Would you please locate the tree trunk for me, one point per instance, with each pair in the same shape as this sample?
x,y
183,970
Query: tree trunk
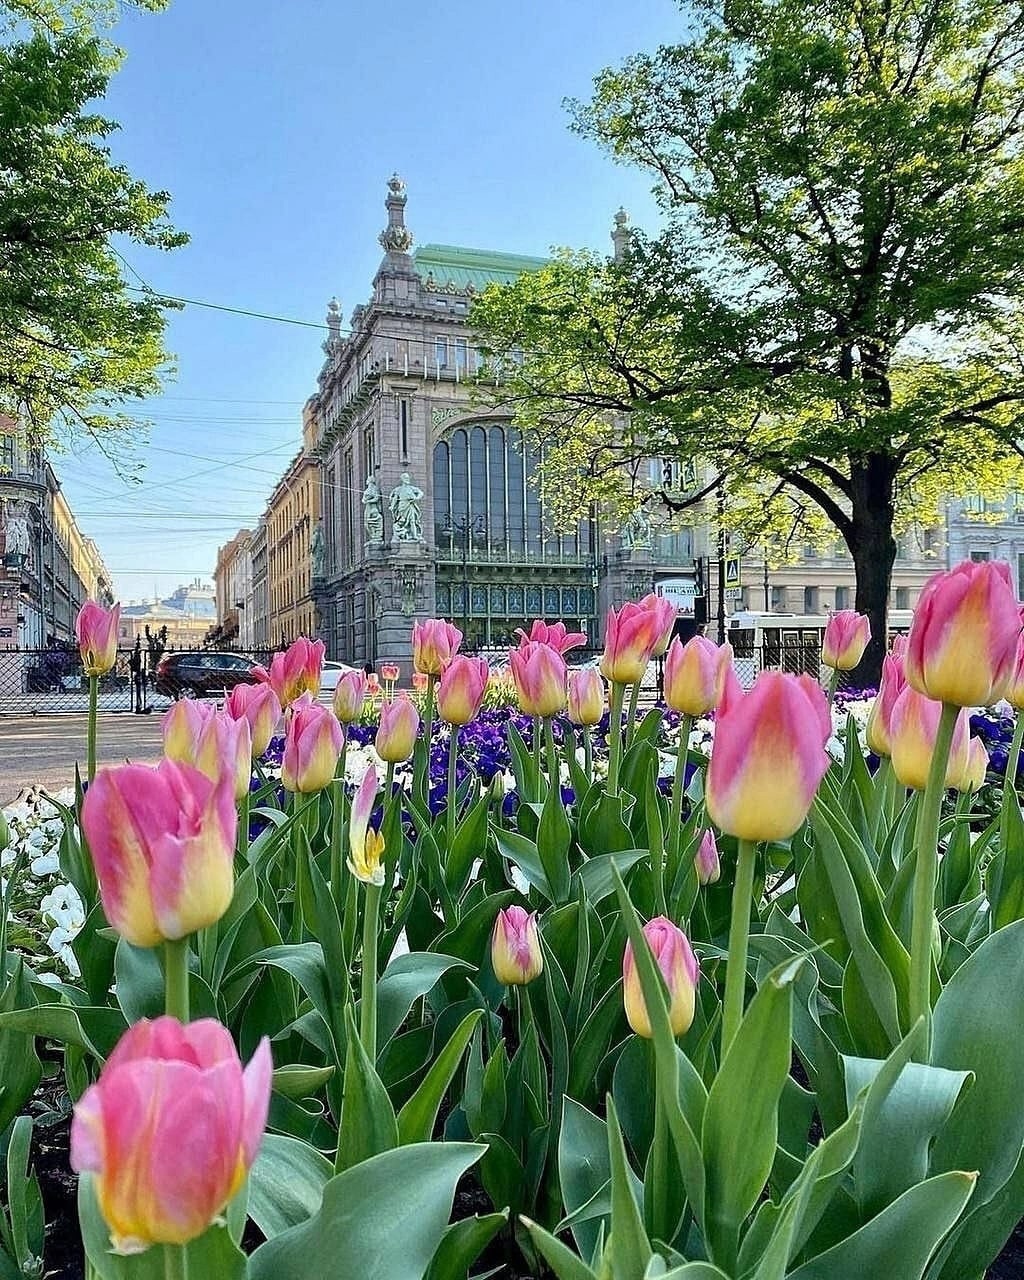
x,y
874,550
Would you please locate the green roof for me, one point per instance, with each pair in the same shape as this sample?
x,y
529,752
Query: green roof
x,y
478,267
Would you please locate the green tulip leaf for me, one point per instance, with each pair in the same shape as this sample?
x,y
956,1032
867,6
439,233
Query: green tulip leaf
x,y
417,1118
286,1184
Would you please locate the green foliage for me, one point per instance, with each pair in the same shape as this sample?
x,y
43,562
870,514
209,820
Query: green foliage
x,y
75,340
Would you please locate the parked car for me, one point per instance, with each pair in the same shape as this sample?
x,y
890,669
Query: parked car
x,y
202,675
331,674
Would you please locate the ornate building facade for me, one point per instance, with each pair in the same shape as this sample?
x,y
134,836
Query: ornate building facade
x,y
429,502
292,524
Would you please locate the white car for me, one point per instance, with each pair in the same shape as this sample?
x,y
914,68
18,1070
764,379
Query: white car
x,y
331,674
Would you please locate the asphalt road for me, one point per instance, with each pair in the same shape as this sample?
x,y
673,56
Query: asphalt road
x,y
42,750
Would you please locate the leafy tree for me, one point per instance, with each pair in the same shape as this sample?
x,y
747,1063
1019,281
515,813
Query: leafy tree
x,y
75,341
832,314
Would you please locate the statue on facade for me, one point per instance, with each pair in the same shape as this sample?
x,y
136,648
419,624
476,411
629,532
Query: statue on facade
x,y
406,519
16,535
317,550
373,513
637,532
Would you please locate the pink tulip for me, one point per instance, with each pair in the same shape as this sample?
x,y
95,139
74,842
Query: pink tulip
x,y
420,680
396,732
312,744
389,672
631,635
674,955
552,633
846,638
170,1130
913,727
540,677
261,707
768,756
434,644
879,726
366,846
96,630
162,840
963,639
296,671
898,646
211,741
516,956
664,614
586,696
706,860
349,696
462,689
693,675
182,724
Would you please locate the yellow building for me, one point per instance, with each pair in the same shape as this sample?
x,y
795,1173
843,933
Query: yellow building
x,y
292,514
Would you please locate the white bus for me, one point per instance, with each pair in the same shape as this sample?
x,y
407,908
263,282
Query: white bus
x,y
787,641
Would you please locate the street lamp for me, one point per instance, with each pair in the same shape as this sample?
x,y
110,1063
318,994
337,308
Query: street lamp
x,y
464,526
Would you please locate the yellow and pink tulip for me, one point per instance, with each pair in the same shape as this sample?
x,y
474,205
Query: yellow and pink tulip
x,y
461,690
312,744
693,674
434,643
913,727
586,702
366,846
706,859
261,707
674,956
962,647
397,730
540,677
296,671
170,1130
553,633
846,637
96,631
879,727
516,956
768,757
630,637
162,840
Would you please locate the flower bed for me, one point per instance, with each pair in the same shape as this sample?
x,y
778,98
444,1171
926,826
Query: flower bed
x,y
436,988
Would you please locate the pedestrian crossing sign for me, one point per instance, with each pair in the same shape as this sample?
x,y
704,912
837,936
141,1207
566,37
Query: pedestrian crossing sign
x,y
732,572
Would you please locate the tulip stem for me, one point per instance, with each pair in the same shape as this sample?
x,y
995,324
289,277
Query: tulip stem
x,y
588,752
450,810
634,702
368,1007
927,840
1013,759
739,930
421,767
176,978
90,751
243,825
535,743
833,685
549,742
679,781
175,1262
615,736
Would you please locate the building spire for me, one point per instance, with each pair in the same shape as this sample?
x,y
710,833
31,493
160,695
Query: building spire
x,y
621,235
396,236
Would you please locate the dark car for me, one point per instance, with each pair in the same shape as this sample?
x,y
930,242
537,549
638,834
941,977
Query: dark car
x,y
201,675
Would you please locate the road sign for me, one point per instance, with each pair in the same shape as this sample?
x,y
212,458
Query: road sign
x,y
732,572
734,593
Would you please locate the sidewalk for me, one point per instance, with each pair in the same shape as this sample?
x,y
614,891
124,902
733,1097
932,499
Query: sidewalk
x,y
42,750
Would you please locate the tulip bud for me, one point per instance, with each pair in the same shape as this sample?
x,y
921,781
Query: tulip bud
x,y
709,868
674,955
540,677
1015,689
914,726
396,733
768,756
312,744
434,644
962,647
366,846
349,696
879,727
389,672
846,637
553,634
462,689
212,741
168,1096
693,675
96,631
664,614
586,696
260,706
181,727
631,634
516,956
162,840
973,778
420,681
296,671
898,646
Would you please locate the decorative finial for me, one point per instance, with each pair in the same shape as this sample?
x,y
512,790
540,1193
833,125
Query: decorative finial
x,y
333,340
396,236
621,235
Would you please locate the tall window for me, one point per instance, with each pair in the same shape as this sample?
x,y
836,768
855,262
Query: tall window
x,y
980,557
902,597
810,599
441,351
842,597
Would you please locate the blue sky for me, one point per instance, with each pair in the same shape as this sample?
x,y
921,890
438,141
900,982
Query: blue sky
x,y
275,127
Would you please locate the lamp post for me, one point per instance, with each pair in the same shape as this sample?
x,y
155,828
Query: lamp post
x,y
464,526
